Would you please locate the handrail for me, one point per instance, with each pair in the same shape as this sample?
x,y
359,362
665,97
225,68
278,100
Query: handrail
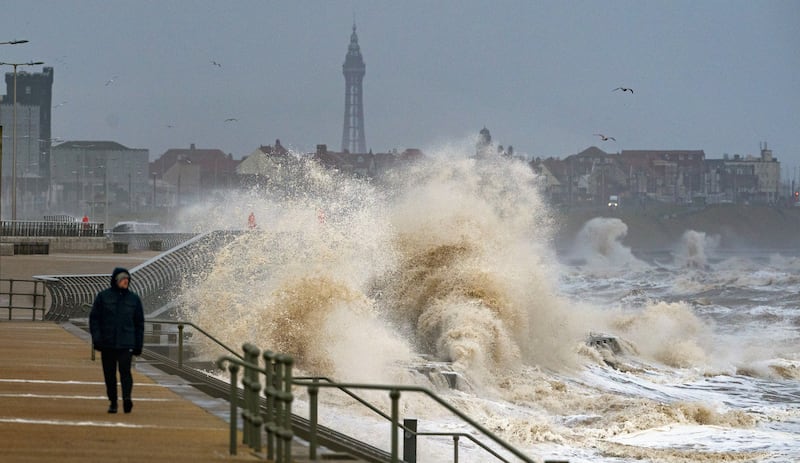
x,y
278,414
375,409
41,228
455,436
35,295
180,336
352,395
277,419
394,394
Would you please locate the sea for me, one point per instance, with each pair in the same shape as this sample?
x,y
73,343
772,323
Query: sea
x,y
443,273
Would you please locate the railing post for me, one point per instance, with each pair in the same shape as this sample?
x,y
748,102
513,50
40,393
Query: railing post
x,y
455,449
277,380
394,394
269,416
234,369
10,297
247,406
252,385
410,440
180,346
35,294
313,418
287,433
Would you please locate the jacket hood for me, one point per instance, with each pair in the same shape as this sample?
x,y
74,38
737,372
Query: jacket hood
x,y
116,272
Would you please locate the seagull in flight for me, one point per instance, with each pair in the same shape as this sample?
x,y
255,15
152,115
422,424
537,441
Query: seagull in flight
x,y
216,63
111,81
605,138
59,105
231,119
624,89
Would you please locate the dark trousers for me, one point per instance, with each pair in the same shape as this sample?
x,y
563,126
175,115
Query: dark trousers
x,y
113,360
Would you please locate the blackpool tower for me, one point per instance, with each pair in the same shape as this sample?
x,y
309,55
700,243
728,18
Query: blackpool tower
x,y
353,139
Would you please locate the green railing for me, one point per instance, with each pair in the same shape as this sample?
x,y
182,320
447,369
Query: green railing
x,y
313,390
275,418
23,295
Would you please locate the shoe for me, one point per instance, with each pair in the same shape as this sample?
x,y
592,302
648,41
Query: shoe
x,y
127,405
113,407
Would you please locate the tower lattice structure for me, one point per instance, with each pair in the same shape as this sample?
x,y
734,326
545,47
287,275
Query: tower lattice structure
x,y
353,138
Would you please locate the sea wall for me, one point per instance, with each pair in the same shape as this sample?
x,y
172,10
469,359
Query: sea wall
x,y
746,226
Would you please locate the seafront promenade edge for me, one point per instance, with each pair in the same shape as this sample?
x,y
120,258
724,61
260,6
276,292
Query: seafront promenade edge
x,y
53,407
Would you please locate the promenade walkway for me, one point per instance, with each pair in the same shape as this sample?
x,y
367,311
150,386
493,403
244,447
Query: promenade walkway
x,y
53,407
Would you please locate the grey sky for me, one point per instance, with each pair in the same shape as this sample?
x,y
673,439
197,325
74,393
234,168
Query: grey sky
x,y
720,76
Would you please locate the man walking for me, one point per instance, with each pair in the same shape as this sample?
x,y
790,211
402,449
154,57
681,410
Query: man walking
x,y
117,326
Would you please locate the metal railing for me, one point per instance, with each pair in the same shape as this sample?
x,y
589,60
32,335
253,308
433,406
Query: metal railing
x,y
151,241
408,426
50,228
271,414
23,295
157,281
394,395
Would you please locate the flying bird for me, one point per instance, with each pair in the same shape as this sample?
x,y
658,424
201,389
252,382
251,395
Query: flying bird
x,y
624,89
216,63
111,81
605,138
59,105
231,119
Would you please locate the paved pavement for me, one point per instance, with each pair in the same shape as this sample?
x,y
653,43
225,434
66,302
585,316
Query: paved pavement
x,y
53,407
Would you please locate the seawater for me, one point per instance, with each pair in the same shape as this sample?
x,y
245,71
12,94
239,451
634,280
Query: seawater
x,y
449,263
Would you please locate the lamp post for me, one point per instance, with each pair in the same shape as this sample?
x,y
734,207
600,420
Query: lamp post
x,y
77,196
105,194
14,133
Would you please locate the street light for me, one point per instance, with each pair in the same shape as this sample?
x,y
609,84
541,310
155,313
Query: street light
x,y
14,135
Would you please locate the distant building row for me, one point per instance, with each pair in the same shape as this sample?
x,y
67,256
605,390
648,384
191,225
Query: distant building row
x,y
88,176
592,175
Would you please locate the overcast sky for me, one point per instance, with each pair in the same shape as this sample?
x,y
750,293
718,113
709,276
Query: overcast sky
x,y
718,76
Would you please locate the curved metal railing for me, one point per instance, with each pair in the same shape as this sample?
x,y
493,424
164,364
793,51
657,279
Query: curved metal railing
x,y
157,281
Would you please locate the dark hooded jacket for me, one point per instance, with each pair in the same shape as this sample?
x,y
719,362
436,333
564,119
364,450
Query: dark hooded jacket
x,y
117,318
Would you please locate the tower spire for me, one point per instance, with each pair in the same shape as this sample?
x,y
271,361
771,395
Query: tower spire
x,y
353,138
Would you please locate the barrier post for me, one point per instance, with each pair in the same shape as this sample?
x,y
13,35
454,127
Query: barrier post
x,y
394,394
269,391
313,418
410,441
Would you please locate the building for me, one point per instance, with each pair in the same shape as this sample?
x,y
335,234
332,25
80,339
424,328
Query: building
x,y
353,137
33,139
669,176
674,176
186,176
90,177
267,166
